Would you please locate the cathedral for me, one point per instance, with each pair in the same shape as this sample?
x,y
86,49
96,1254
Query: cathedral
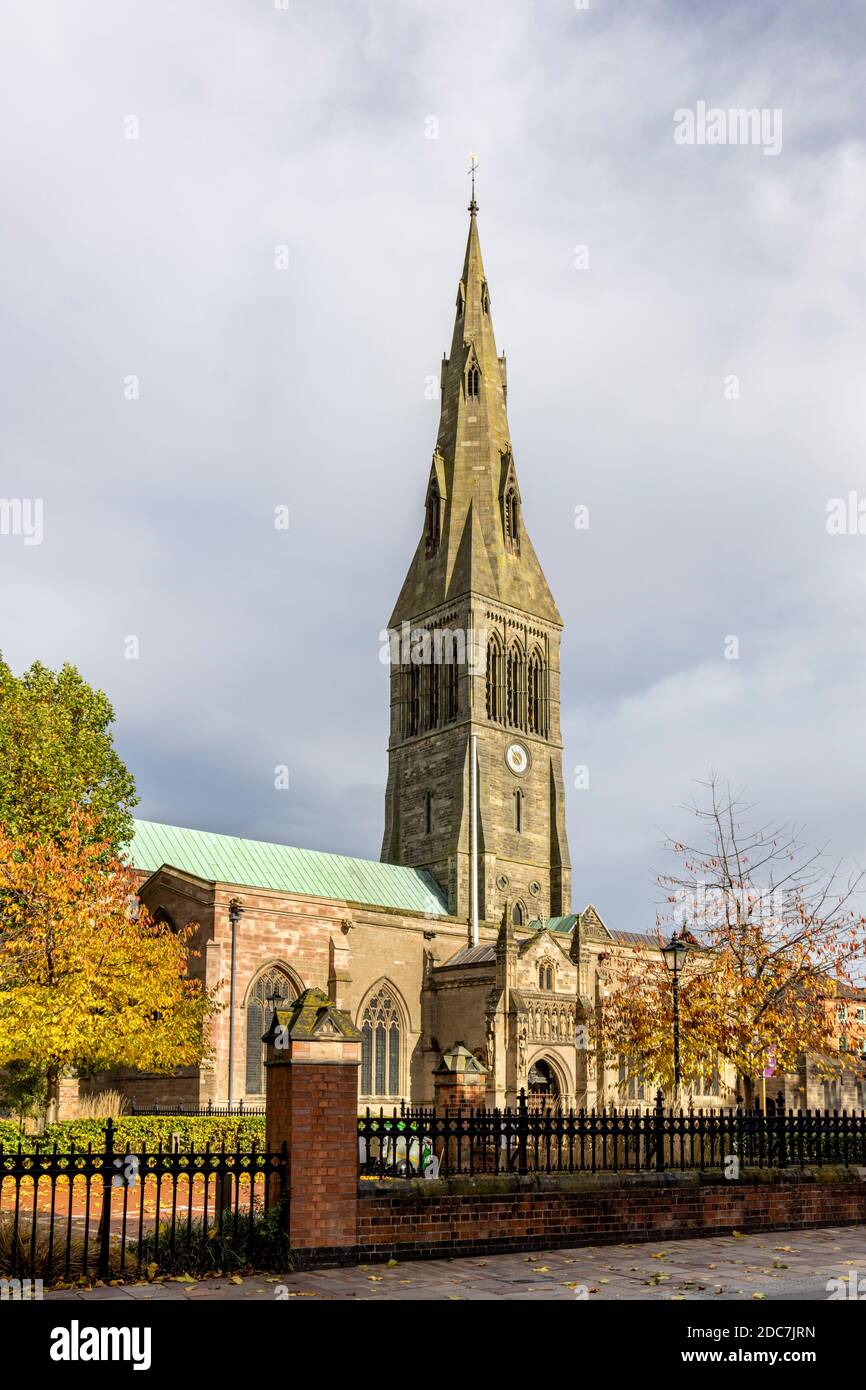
x,y
463,932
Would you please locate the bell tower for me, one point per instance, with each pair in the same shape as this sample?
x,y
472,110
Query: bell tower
x,y
475,639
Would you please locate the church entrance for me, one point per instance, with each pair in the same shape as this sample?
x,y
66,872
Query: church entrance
x,y
543,1090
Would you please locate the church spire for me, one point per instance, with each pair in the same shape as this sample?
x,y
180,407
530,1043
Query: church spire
x,y
474,540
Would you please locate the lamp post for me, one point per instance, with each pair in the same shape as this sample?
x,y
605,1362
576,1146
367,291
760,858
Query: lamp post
x,y
674,954
235,914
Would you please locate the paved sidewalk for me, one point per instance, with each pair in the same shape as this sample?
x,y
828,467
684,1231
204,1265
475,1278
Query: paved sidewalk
x,y
774,1265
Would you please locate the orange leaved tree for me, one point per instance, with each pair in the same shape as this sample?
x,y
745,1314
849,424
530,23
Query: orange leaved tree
x,y
775,929
87,979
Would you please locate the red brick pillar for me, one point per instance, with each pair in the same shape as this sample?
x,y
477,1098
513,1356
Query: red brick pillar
x,y
313,1056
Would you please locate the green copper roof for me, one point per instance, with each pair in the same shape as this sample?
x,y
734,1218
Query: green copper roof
x,y
257,864
556,923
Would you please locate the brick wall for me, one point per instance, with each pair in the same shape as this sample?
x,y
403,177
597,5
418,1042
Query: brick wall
x,y
418,1220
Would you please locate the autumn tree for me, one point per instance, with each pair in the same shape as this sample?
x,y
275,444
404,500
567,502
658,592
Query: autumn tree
x,y
88,980
57,757
775,928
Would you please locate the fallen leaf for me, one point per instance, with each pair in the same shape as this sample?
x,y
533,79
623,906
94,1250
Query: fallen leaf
x,y
235,1279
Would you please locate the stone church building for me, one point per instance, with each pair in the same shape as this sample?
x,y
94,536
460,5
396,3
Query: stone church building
x,y
464,932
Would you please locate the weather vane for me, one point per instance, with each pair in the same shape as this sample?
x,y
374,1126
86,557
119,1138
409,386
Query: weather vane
x,y
473,165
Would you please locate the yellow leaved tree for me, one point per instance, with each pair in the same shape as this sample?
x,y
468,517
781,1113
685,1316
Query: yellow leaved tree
x,y
88,980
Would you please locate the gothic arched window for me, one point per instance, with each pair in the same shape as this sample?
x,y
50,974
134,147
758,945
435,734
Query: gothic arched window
x,y
518,811
518,914
433,520
494,679
272,983
545,975
472,383
515,681
536,721
381,1044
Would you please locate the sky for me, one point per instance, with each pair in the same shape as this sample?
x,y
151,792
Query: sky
x,y
232,235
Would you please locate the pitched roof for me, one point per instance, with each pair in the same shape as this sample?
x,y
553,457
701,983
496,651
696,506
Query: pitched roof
x,y
259,864
471,955
622,938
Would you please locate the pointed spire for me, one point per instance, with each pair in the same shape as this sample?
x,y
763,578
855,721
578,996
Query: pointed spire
x,y
474,455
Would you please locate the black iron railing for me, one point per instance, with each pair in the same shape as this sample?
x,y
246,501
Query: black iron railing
x,y
79,1213
412,1142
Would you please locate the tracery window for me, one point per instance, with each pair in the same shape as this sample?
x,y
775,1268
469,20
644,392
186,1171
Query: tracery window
x,y
545,975
472,383
381,1045
272,983
518,914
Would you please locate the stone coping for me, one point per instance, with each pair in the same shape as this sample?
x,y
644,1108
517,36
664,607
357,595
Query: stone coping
x,y
491,1184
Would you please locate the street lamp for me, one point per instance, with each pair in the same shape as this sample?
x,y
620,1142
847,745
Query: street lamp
x,y
235,914
674,954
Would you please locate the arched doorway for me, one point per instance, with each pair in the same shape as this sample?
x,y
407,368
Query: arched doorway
x,y
542,1086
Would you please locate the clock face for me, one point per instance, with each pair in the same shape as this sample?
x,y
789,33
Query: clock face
x,y
517,758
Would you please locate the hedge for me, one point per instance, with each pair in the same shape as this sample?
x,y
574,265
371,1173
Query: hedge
x,y
132,1133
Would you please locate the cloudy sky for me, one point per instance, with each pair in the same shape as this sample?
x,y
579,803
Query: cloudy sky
x,y
308,128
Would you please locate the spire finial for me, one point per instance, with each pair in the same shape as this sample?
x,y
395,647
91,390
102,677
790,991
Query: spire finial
x,y
473,165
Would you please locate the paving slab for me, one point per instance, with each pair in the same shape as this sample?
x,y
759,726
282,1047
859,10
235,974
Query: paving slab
x,y
771,1266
